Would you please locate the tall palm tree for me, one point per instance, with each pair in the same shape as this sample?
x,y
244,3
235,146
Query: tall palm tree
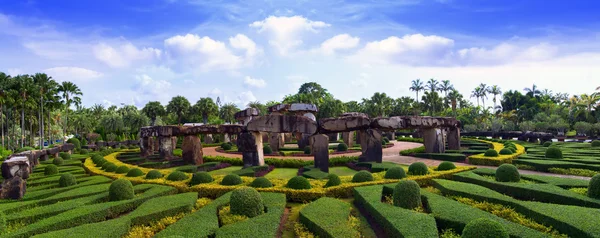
x,y
206,107
495,90
476,93
46,85
432,85
483,94
26,89
446,87
153,110
533,90
178,105
588,101
227,112
380,104
5,84
262,109
417,85
454,96
70,94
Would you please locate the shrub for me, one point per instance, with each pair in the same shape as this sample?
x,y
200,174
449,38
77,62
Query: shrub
x,y
84,151
267,150
418,168
50,169
120,189
111,168
407,194
96,158
507,173
66,180
307,150
75,142
26,148
105,165
484,228
201,177
135,172
547,143
506,151
446,166
64,155
594,187
246,201
298,182
153,174
342,147
491,153
122,147
554,153
333,180
231,179
362,176
383,142
226,146
57,161
512,149
596,143
122,169
261,182
395,173
177,176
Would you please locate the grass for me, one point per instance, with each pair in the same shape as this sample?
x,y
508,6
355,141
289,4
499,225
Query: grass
x,y
225,171
342,171
282,173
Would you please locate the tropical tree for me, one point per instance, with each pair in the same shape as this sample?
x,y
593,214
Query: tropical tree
x,y
446,87
205,107
378,105
153,110
534,90
454,96
402,106
227,112
178,105
5,85
432,85
26,89
476,93
417,86
484,89
431,101
262,109
70,94
47,87
495,90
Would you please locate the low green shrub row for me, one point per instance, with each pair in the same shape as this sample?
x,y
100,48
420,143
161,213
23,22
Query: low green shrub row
x,y
442,156
413,151
557,181
544,165
328,217
265,225
50,192
283,163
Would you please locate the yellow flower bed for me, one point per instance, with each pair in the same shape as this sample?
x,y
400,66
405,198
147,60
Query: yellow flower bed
x,y
481,159
215,189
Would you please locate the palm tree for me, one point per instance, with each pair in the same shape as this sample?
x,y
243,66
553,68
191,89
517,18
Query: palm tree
x,y
495,90
379,104
26,90
430,101
206,107
153,110
228,111
5,84
262,109
588,101
417,85
445,87
454,96
46,86
178,105
533,90
70,94
476,93
483,94
432,85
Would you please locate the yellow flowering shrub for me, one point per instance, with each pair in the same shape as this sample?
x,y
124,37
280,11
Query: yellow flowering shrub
x,y
148,231
481,159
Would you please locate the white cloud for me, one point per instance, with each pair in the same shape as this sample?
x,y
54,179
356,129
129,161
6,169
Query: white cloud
x,y
339,42
285,33
14,71
74,74
193,51
244,98
242,42
254,82
507,53
124,54
361,81
55,50
148,89
215,92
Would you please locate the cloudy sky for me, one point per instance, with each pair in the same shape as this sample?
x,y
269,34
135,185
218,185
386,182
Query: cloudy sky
x,y
135,51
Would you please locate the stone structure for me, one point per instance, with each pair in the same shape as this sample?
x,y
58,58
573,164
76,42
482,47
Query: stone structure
x,y
192,150
298,109
319,145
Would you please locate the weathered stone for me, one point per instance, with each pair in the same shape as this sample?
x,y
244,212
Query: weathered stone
x,y
226,138
354,114
310,116
16,166
246,115
348,138
44,157
333,137
319,145
145,149
151,145
388,123
276,141
279,108
302,107
208,139
258,141
302,140
13,188
453,138
429,122
246,144
371,146
230,129
192,150
282,124
165,147
344,124
433,140
288,137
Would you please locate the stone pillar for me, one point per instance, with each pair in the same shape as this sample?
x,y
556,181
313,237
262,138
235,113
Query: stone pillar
x,y
348,138
258,141
192,150
246,144
433,140
453,138
288,137
371,146
226,138
533,139
276,141
358,137
208,139
13,188
151,145
165,148
44,157
319,145
17,166
333,137
145,147
302,141
156,147
174,141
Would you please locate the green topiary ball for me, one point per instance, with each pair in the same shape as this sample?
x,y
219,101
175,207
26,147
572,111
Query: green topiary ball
x,y
231,179
547,143
201,177
101,162
594,187
484,228
342,147
307,150
507,173
66,180
513,150
154,174
554,153
362,176
491,153
226,146
446,165
407,194
383,142
111,168
333,180
246,201
120,189
298,182
135,172
122,169
50,169
105,165
418,168
596,143
96,158
75,142
267,150
57,161
395,173
261,182
84,151
64,155
506,151
177,176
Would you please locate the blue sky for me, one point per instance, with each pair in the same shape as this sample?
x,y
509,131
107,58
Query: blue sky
x,y
140,50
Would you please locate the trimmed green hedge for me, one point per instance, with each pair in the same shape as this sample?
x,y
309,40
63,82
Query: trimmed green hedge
x,y
557,181
265,225
544,165
442,156
328,218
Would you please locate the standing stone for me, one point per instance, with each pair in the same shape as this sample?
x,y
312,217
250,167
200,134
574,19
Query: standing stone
x,y
348,138
174,141
433,140
333,137
44,157
156,147
320,149
145,147
16,166
453,138
165,148
288,137
151,147
258,141
13,188
276,141
303,141
371,146
246,144
208,139
226,138
192,150
358,137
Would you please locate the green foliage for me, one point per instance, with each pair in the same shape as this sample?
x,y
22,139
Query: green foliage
x,y
342,147
307,150
283,163
64,155
298,182
418,168
395,173
507,173
201,177
121,189
491,153
267,150
154,174
484,228
442,156
261,182
506,151
226,146
547,143
328,217
177,176
594,187
23,149
57,161
50,169
111,167
188,168
446,166
105,165
66,180
413,151
84,151
2,222
596,143
246,201
75,142
231,179
554,153
407,194
135,172
362,176
333,180
123,169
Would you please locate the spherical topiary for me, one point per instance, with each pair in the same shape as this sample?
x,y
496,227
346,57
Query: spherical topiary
x,y
105,165
96,158
122,169
342,147
246,201
506,151
298,182
50,169
307,150
231,179
513,150
261,182
362,176
507,173
120,189
201,177
554,153
594,187
511,146
484,228
65,155
101,162
177,176
267,150
226,146
547,143
84,151
57,161
418,168
395,173
154,174
596,143
111,168
491,153
66,180
333,180
383,142
407,194
75,142
446,165
135,172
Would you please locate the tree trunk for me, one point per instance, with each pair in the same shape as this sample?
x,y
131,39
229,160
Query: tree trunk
x,y
205,118
41,122
66,120
23,124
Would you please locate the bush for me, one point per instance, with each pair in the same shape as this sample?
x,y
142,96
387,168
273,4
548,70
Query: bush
x,y
342,147
121,189
246,201
84,151
122,169
307,150
594,187
298,182
261,182
122,147
23,149
512,149
333,180
57,161
507,173
96,158
491,153
154,174
66,180
135,172
105,165
596,143
554,153
64,155
75,142
418,168
506,151
383,142
362,176
50,169
111,167
231,179
226,146
407,194
446,166
547,143
177,176
201,177
267,150
484,228
395,173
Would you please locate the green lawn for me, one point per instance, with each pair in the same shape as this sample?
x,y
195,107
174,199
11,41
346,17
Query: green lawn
x,y
225,171
282,173
342,171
